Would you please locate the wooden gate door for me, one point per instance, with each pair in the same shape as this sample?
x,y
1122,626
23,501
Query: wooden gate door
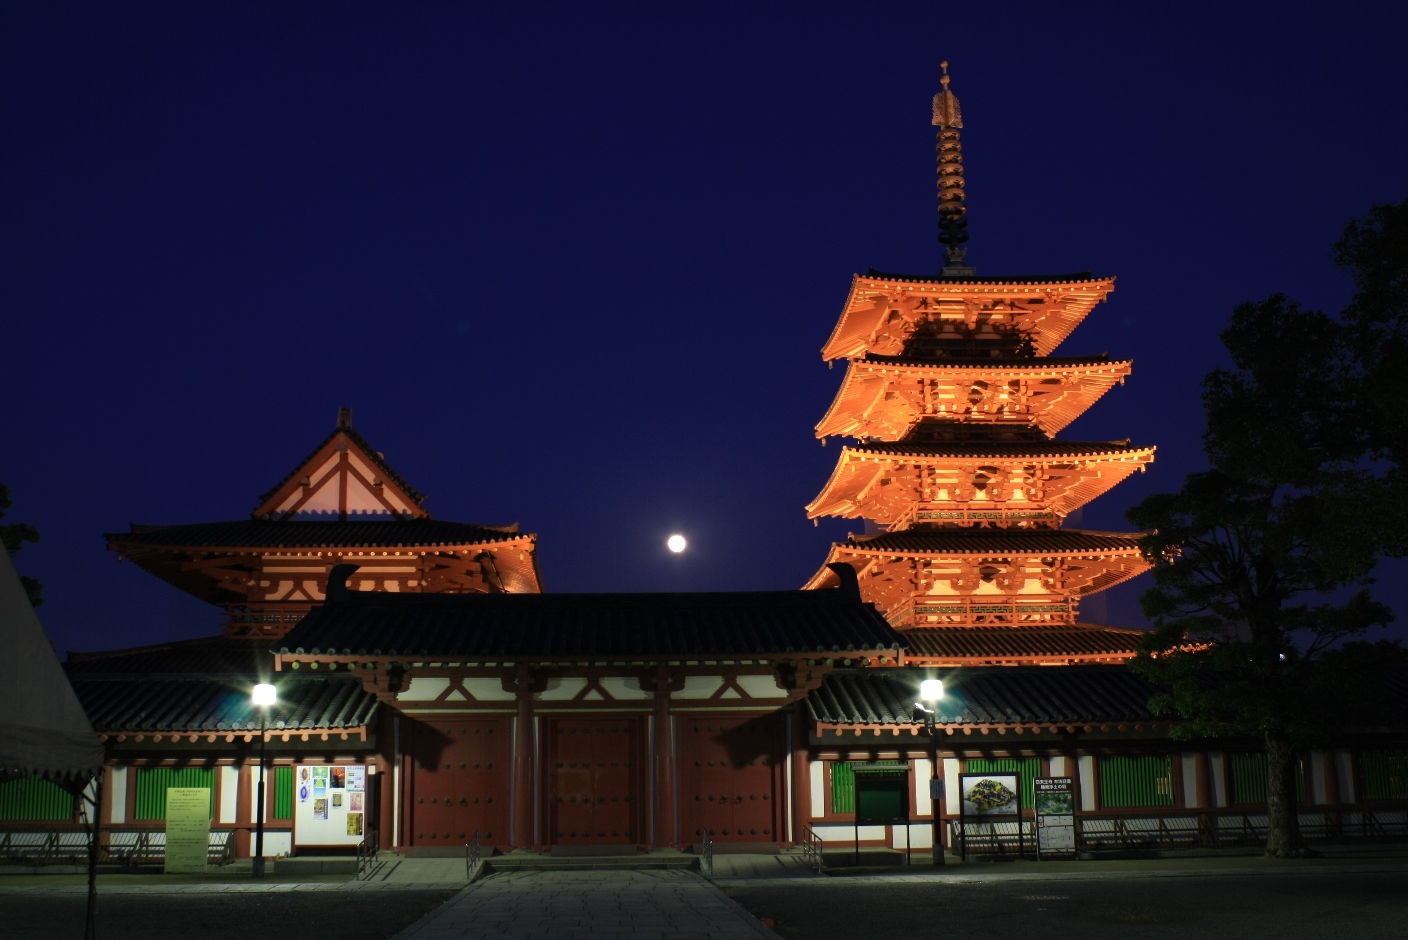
x,y
729,777
459,781
594,770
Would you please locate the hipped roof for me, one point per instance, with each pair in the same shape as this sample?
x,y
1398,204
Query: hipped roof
x,y
43,728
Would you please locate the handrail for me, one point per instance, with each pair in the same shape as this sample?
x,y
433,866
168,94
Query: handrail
x,y
812,848
472,851
367,851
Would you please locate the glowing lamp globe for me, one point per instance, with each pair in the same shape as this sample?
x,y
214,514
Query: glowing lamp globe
x,y
264,694
931,690
676,543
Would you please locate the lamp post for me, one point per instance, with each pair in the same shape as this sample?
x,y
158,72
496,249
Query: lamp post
x,y
930,691
263,697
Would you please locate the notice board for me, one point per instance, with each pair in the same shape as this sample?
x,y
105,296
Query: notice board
x,y
1055,816
187,830
882,796
330,804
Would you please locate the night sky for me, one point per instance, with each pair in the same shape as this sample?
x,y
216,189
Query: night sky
x,y
572,265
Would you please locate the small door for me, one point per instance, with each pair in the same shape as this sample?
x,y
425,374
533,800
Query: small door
x,y
594,772
459,782
728,777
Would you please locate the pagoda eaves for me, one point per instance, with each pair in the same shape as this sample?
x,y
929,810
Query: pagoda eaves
x,y
885,314
973,483
984,577
887,397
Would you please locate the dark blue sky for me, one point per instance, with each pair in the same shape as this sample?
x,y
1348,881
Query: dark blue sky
x,y
572,264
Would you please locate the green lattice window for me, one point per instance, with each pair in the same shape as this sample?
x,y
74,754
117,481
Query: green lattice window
x,y
1136,781
153,782
1384,775
1249,779
843,784
33,798
1028,767
283,792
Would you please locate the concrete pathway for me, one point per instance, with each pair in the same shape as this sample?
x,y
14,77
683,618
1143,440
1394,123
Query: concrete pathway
x,y
590,905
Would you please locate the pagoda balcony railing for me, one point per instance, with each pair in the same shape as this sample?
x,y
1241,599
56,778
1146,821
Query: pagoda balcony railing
x,y
256,618
920,514
981,611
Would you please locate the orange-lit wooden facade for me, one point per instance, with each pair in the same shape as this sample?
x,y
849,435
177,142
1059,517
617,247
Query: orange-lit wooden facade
x,y
953,396
343,504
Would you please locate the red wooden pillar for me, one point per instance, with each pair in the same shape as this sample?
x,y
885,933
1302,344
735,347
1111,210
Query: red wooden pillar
x,y
663,833
523,795
801,773
243,819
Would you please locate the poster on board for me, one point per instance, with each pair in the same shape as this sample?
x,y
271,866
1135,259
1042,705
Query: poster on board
x,y
333,813
187,830
1055,799
989,794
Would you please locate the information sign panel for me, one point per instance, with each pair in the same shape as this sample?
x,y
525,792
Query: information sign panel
x,y
187,830
882,796
1055,817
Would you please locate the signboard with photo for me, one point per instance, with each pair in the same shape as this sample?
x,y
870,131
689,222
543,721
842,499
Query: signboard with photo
x,y
1055,816
989,794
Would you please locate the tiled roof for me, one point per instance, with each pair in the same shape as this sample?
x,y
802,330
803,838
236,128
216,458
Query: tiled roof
x,y
994,541
162,704
372,455
996,643
206,656
260,533
990,363
564,626
1078,277
1000,695
996,449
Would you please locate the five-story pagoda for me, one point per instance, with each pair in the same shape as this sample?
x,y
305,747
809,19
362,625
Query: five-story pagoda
x,y
954,397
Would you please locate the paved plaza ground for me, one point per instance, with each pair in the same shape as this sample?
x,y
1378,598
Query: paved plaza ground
x,y
427,900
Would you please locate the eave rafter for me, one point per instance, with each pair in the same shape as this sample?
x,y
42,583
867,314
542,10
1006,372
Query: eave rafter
x,y
885,400
881,314
895,485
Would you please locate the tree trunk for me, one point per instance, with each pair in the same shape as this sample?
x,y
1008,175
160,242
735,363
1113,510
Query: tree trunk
x,y
1282,823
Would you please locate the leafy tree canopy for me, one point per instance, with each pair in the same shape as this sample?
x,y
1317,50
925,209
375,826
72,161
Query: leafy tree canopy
x,y
1263,562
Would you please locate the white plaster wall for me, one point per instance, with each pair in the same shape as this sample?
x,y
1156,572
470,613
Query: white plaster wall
x,y
921,836
1058,767
1190,779
1217,770
953,803
228,810
845,833
1344,768
923,805
818,782
1085,769
117,795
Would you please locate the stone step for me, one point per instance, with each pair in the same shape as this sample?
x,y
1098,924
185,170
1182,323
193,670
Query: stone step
x,y
644,861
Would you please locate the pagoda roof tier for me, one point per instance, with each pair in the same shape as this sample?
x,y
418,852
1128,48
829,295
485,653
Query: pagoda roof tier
x,y
886,398
1054,645
883,311
984,577
959,483
243,560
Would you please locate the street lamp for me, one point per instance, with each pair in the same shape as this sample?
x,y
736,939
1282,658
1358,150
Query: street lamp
x,y
930,691
264,696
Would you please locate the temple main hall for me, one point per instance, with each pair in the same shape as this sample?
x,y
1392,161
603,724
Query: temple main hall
x,y
433,692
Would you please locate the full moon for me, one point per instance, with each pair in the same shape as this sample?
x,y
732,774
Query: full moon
x,y
675,543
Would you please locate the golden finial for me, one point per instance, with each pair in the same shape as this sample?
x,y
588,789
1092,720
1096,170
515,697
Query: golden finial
x,y
946,112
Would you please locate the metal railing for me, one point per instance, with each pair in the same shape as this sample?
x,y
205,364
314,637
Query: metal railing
x,y
472,856
367,851
1217,829
812,849
706,855
129,848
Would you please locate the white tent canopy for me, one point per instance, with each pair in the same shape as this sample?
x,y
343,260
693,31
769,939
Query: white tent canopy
x,y
43,729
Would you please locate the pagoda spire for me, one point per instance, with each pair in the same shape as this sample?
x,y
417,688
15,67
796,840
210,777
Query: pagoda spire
x,y
953,214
